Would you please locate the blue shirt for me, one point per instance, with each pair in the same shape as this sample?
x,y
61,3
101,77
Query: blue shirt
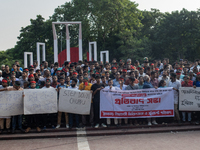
x,y
197,83
115,83
147,85
61,86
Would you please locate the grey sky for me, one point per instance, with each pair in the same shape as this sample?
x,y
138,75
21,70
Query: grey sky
x,y
17,13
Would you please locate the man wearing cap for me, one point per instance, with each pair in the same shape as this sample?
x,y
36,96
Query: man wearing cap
x,y
113,72
87,86
178,74
74,75
124,74
8,120
96,101
121,85
186,83
15,87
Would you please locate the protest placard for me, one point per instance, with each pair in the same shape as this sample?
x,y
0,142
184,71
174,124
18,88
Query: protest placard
x,y
142,103
11,103
40,101
75,101
189,99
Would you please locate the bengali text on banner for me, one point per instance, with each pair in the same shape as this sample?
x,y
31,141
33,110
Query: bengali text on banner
x,y
144,103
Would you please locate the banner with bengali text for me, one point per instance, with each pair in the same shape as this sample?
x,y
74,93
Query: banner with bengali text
x,y
189,99
144,103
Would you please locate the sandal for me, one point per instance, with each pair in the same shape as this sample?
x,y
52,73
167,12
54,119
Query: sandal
x,y
38,129
28,129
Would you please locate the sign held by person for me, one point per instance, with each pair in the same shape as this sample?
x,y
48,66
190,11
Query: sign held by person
x,y
189,99
75,101
40,101
145,103
11,103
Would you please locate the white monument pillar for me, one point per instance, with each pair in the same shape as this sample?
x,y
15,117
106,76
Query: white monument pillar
x,y
67,40
107,55
90,51
43,52
25,59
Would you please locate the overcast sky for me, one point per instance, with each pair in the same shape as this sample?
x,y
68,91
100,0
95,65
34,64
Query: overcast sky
x,y
17,13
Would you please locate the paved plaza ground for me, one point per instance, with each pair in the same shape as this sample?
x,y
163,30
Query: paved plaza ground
x,y
188,140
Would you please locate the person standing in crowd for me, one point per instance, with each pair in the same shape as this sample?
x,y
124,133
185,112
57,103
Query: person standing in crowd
x,y
164,77
187,83
121,85
30,119
116,80
7,72
141,82
15,87
141,72
1,78
46,116
147,84
58,87
96,101
111,87
87,86
55,81
8,118
2,68
195,85
131,86
71,116
162,84
176,85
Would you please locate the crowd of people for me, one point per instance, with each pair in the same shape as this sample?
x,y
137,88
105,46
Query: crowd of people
x,y
94,76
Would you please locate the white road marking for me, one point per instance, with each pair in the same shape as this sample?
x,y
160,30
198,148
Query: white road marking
x,y
82,140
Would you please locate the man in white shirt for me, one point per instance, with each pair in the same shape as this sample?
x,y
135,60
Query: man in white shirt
x,y
176,85
111,87
164,77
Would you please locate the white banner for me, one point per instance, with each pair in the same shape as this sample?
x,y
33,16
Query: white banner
x,y
75,101
189,99
40,101
137,103
11,103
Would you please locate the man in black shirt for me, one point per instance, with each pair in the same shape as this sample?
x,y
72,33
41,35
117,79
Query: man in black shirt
x,y
7,72
96,101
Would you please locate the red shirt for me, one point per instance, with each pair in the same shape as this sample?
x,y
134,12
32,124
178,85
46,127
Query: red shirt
x,y
190,84
54,85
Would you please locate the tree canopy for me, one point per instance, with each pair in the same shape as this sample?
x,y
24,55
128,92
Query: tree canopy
x,y
118,26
